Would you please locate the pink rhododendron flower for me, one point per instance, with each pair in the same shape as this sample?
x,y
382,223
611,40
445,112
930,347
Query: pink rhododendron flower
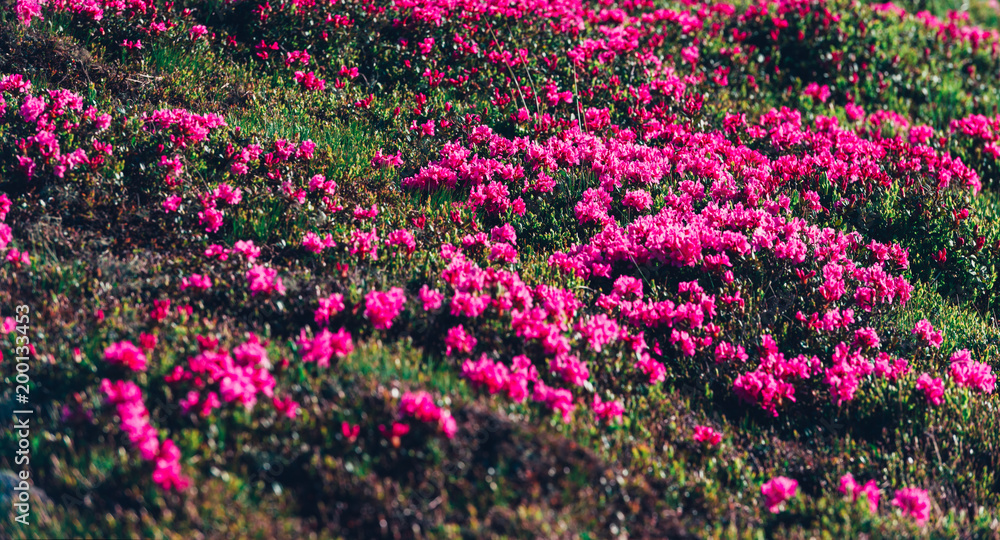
x,y
914,503
638,199
572,370
707,435
127,399
382,307
6,235
557,399
932,387
890,368
724,352
854,112
325,346
167,472
286,406
312,242
485,372
171,203
404,238
264,280
654,370
328,307
599,331
247,248
211,219
504,233
777,491
969,374
459,341
363,214
869,491
364,243
161,308
197,281
866,338
690,54
27,10
815,91
396,431
765,389
349,431
449,427
5,203
607,410
126,354
18,258
503,252
227,194
215,250
381,160
431,298
420,406
310,81
927,334
297,56
197,31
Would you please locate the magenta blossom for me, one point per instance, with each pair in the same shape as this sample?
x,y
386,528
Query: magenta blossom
x,y
706,435
927,334
970,374
431,298
382,307
607,410
777,491
932,387
869,491
914,502
126,354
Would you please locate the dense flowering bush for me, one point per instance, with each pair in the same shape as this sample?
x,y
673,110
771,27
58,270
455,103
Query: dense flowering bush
x,y
521,253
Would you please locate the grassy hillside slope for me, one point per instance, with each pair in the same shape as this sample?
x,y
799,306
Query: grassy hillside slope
x,y
467,269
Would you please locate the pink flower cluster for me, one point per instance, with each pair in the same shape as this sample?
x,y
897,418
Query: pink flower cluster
x,y
403,238
928,336
264,280
778,490
932,387
326,345
969,374
914,503
55,122
382,307
127,399
607,410
421,407
313,243
497,377
126,354
869,491
557,399
706,435
310,81
770,384
328,307
182,127
238,376
457,340
196,281
14,256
